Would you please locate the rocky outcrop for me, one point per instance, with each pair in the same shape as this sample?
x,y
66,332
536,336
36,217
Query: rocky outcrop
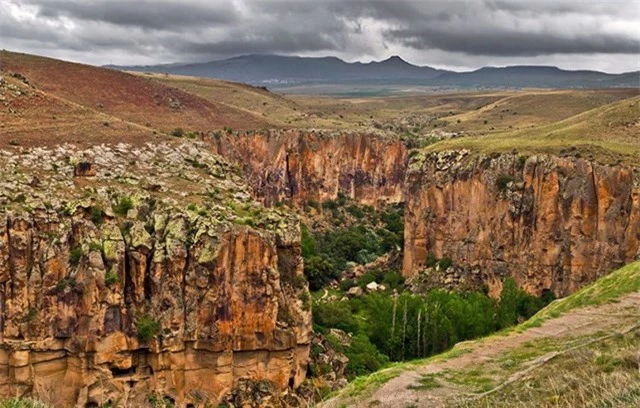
x,y
550,222
155,278
300,165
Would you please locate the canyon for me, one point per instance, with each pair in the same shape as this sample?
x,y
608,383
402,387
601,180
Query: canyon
x,y
553,223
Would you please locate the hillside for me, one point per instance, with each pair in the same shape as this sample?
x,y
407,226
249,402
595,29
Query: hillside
x,y
609,133
567,355
100,92
282,72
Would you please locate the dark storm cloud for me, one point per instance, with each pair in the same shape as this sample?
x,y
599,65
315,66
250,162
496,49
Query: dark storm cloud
x,y
441,30
505,28
139,13
513,43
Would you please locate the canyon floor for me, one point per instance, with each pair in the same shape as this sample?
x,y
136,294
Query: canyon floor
x,y
585,354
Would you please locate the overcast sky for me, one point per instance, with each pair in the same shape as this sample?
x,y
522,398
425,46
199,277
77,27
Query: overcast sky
x,y
452,34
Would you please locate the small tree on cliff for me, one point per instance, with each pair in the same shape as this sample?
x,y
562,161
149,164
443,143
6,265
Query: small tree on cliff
x,y
508,306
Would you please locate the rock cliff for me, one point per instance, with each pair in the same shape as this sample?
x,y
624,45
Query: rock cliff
x,y
553,223
301,165
132,274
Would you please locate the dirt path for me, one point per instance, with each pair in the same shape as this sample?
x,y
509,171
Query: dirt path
x,y
591,321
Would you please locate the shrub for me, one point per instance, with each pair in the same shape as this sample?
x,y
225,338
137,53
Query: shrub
x,y
308,243
75,255
319,271
97,215
177,132
330,205
431,260
337,315
445,263
347,284
355,211
507,308
65,283
123,206
364,357
147,328
111,278
503,180
393,280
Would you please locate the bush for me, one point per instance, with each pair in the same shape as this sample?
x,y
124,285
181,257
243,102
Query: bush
x,y
97,216
319,271
75,255
111,278
177,132
330,205
347,284
445,263
335,315
364,357
308,243
147,328
502,182
431,260
355,211
123,206
507,309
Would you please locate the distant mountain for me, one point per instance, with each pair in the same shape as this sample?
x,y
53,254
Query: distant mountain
x,y
278,71
523,76
283,70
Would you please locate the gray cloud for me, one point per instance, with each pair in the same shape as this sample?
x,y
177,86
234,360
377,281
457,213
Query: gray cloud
x,y
158,15
452,33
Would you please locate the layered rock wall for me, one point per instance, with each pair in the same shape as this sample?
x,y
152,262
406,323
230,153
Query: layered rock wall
x,y
155,298
551,223
300,165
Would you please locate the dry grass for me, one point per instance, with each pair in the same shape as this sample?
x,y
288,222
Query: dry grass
x,y
610,134
603,374
133,99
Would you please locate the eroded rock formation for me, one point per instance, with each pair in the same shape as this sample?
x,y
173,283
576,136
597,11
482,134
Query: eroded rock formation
x,y
156,278
552,223
300,165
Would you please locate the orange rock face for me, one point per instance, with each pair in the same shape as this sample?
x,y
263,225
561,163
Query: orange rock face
x,y
302,166
551,223
227,300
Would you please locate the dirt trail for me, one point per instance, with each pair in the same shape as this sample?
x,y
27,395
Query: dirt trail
x,y
603,320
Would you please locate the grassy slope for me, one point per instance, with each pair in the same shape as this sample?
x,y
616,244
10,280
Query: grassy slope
x,y
609,133
607,289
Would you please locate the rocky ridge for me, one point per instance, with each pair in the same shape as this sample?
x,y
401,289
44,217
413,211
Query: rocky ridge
x,y
136,273
554,223
300,166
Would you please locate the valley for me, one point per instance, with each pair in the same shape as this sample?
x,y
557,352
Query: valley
x,y
168,240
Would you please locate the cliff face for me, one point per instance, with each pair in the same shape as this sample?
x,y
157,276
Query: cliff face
x,y
551,223
121,289
297,165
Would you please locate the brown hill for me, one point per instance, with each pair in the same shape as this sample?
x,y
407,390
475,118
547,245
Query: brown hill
x,y
84,94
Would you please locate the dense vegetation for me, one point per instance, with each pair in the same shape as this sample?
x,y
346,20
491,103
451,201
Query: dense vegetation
x,y
369,235
402,326
392,324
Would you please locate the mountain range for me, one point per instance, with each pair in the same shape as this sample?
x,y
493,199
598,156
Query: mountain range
x,y
277,71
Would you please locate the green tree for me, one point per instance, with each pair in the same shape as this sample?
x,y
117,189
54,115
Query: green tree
x,y
508,306
319,271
